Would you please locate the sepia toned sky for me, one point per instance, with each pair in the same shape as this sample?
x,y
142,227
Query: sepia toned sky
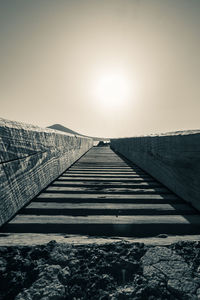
x,y
57,58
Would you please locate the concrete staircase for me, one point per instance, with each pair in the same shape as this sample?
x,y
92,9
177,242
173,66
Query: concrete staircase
x,y
103,194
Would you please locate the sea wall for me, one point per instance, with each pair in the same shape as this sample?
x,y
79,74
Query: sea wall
x,y
172,158
30,158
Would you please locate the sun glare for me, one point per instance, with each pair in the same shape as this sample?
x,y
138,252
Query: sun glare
x,y
112,90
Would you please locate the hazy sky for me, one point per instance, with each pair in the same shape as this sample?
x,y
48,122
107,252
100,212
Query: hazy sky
x,y
57,58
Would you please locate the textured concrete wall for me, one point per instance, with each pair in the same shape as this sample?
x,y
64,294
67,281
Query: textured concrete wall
x,y
173,159
30,158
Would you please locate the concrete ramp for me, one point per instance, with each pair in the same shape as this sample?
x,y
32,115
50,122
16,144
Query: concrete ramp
x,y
102,194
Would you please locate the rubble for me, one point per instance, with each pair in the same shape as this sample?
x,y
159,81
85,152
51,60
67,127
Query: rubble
x,y
112,271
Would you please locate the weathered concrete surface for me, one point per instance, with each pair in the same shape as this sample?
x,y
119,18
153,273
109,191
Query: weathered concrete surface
x,y
30,158
173,159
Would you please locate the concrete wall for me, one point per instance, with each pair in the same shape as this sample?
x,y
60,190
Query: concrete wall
x,y
30,158
173,159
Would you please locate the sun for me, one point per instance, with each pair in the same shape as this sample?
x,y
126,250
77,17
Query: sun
x,y
112,90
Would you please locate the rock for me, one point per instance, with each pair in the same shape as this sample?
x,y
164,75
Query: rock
x,y
123,293
42,289
47,286
100,272
156,254
75,292
162,236
64,275
63,254
163,263
165,266
182,285
39,252
3,265
198,293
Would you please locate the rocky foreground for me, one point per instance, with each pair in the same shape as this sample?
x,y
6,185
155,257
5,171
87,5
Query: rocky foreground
x,y
109,271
